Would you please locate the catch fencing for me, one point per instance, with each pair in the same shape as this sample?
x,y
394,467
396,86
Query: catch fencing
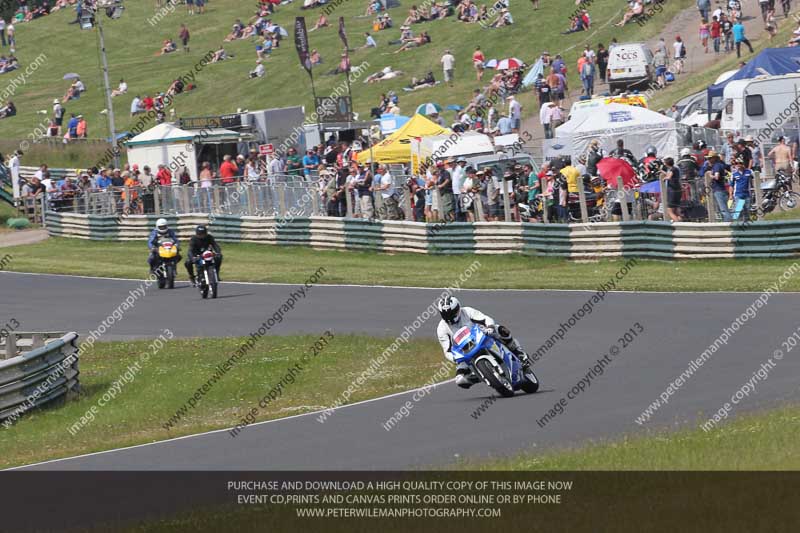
x,y
647,239
36,368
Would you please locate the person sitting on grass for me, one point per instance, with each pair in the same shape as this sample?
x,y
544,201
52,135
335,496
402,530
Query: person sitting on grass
x,y
575,26
74,91
168,47
504,19
315,58
7,64
8,110
421,40
422,83
322,22
122,89
413,16
636,9
259,70
373,7
386,74
220,55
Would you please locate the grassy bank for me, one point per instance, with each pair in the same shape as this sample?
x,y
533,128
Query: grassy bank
x,y
759,441
279,264
174,373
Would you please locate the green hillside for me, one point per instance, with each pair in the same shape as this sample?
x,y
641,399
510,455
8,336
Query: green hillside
x,y
133,45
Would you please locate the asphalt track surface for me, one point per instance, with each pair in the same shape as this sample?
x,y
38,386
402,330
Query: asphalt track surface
x,y
439,429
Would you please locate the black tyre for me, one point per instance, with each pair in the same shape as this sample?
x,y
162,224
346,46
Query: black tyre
x,y
204,291
213,290
498,382
529,383
171,276
789,201
161,282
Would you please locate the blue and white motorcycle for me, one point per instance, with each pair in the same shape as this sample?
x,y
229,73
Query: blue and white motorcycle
x,y
492,361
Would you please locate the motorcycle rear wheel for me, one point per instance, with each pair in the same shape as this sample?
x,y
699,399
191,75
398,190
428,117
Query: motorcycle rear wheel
x,y
498,383
204,291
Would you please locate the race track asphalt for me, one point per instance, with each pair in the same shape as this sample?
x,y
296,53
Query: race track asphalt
x,y
439,428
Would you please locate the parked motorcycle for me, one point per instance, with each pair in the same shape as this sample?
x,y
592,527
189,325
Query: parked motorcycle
x,y
207,279
492,361
778,192
168,253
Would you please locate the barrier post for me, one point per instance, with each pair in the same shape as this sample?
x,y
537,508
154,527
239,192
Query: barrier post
x,y
543,196
282,200
757,187
380,212
711,206
11,345
662,186
157,199
409,215
582,200
623,200
479,216
506,202
215,207
314,201
436,199
251,199
348,198
185,198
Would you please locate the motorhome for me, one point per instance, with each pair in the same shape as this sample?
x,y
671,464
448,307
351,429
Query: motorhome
x,y
761,103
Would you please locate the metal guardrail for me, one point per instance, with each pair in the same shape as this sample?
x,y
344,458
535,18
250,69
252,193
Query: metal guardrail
x,y
35,369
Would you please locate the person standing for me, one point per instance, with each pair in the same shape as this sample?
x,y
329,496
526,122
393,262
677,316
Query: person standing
x,y
13,165
741,179
514,113
183,35
781,156
12,36
386,187
679,49
58,115
739,38
448,66
542,89
587,76
715,32
478,59
458,174
672,186
660,62
2,31
602,61
727,32
703,6
718,185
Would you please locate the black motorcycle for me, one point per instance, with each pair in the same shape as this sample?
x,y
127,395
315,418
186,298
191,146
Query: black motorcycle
x,y
207,279
778,192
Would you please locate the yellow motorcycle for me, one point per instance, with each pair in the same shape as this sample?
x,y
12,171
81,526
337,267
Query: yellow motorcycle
x,y
166,271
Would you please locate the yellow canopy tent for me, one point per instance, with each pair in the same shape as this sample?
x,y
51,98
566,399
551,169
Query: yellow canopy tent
x,y
396,148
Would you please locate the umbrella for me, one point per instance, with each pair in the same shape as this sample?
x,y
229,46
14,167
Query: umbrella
x,y
611,167
454,107
282,32
651,187
490,64
429,109
71,76
509,64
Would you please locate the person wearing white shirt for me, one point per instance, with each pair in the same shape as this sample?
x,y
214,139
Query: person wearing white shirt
x,y
2,31
259,71
457,175
40,172
13,165
386,187
136,105
514,113
448,66
275,166
122,89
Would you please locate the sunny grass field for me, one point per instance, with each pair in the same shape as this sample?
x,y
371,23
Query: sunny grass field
x,y
133,44
279,264
171,375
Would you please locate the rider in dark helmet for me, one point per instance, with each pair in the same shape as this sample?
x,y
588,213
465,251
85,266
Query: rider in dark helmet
x,y
201,241
455,317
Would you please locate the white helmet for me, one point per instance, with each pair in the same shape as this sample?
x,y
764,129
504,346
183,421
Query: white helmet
x,y
449,308
161,226
685,152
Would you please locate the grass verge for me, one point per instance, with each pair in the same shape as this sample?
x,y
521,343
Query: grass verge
x,y
757,441
279,264
137,414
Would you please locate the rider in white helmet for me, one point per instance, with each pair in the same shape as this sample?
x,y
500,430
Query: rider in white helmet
x,y
455,317
161,231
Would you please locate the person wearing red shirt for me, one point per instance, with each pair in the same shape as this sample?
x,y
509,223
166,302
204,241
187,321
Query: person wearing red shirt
x,y
164,176
228,170
148,103
478,59
715,33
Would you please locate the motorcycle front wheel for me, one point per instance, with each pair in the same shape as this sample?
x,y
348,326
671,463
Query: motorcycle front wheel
x,y
498,382
529,383
171,276
789,200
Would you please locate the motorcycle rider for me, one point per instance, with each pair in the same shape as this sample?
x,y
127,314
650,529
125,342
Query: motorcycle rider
x,y
595,156
650,155
455,317
161,231
201,241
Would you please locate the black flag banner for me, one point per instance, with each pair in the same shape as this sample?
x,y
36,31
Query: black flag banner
x,y
301,43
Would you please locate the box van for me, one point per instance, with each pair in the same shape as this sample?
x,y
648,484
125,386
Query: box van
x,y
764,102
629,65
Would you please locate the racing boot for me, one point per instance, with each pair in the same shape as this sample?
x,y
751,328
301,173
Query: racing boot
x,y
465,377
523,357
194,281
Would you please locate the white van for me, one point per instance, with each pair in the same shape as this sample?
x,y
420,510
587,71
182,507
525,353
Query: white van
x,y
630,65
764,102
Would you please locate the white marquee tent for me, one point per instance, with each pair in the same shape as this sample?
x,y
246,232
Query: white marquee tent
x,y
636,126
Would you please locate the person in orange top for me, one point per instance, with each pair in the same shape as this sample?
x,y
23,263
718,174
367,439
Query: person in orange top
x,y
478,59
82,127
228,170
132,182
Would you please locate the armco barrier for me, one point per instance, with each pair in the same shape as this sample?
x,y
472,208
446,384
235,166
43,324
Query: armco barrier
x,y
38,376
653,239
